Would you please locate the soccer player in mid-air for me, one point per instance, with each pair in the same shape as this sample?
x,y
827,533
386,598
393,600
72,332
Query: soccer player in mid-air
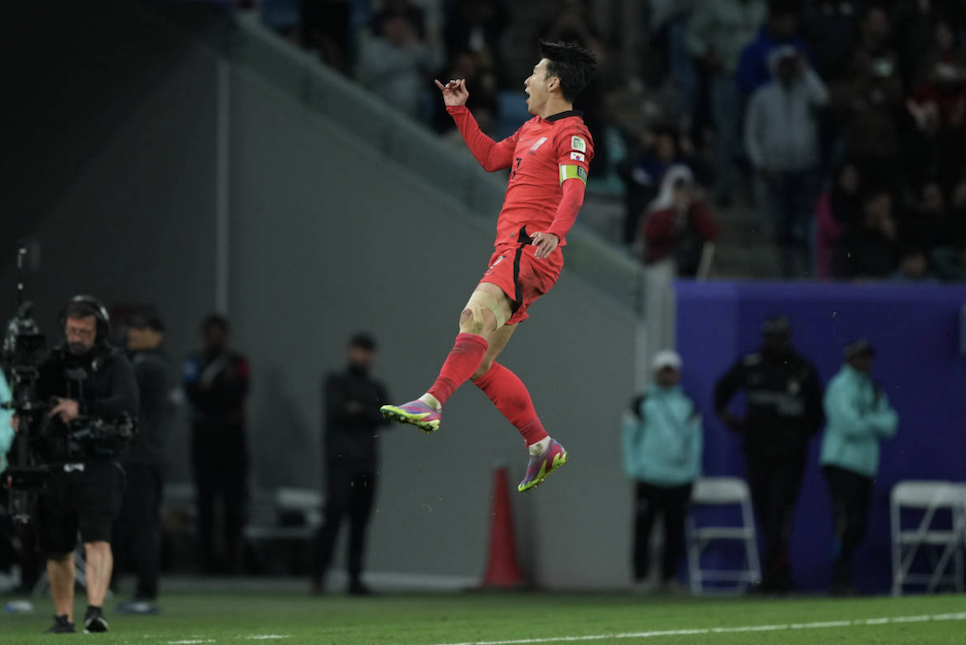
x,y
548,159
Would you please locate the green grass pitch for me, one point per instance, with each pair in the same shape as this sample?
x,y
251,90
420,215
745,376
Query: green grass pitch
x,y
290,619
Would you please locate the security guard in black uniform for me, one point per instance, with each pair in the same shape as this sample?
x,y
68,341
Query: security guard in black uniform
x,y
137,532
784,412
352,420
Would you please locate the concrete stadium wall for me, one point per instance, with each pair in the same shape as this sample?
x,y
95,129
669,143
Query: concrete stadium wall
x,y
117,185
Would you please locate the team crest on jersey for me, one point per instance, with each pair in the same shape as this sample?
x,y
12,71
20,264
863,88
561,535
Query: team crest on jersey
x,y
536,146
577,156
577,143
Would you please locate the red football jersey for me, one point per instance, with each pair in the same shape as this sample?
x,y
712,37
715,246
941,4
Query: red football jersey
x,y
541,155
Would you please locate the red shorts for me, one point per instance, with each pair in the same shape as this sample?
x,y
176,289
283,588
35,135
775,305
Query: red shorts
x,y
522,277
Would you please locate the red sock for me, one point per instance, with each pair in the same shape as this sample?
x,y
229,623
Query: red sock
x,y
511,398
463,360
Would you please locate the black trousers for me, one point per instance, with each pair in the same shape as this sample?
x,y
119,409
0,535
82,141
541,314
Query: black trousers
x,y
137,531
775,483
652,501
350,493
851,495
221,480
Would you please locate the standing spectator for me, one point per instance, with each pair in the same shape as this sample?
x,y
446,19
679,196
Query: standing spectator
x,y
782,139
784,411
678,224
717,33
869,98
663,443
644,170
352,421
781,29
216,385
859,417
868,250
395,64
137,531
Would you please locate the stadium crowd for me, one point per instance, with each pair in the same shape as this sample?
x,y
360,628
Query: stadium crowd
x,y
844,133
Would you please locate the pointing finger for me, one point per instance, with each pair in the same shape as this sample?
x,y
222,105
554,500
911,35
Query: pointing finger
x,y
440,85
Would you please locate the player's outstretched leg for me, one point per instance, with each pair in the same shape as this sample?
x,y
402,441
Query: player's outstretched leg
x,y
425,412
487,311
512,399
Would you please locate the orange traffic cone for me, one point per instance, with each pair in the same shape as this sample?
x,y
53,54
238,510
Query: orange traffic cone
x,y
502,567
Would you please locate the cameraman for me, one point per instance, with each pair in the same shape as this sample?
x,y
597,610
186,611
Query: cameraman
x,y
87,381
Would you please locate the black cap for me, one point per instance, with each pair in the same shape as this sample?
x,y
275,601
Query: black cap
x,y
860,347
363,341
777,325
146,318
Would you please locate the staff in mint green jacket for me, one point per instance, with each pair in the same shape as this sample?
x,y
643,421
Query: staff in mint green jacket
x,y
662,454
6,429
859,417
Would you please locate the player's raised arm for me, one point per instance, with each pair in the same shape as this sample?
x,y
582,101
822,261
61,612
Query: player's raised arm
x,y
490,154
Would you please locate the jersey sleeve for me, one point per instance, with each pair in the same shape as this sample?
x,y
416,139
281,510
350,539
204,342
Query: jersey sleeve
x,y
490,154
574,149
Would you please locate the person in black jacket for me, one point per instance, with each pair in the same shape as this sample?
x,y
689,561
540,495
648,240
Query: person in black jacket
x,y
784,412
352,420
137,532
216,385
86,380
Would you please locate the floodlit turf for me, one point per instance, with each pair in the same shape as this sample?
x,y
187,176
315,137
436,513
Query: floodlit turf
x,y
461,618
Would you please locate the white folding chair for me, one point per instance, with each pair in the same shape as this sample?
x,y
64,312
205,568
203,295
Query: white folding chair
x,y
722,491
942,546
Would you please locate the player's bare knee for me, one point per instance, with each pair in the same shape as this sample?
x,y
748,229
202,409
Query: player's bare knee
x,y
471,322
482,314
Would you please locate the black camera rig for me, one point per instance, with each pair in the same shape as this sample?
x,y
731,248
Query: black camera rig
x,y
24,350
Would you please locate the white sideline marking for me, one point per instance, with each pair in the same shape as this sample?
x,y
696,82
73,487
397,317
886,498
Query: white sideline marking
x,y
267,637
728,630
191,642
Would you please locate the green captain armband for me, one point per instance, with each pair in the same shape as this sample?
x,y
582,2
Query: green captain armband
x,y
573,172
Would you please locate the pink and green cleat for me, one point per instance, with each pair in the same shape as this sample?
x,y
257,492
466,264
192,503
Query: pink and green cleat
x,y
540,467
415,413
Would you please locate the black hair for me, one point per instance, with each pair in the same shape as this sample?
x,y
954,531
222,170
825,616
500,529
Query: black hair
x,y
80,309
215,320
571,63
363,341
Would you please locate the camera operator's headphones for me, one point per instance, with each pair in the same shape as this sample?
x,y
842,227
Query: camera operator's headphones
x,y
98,310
